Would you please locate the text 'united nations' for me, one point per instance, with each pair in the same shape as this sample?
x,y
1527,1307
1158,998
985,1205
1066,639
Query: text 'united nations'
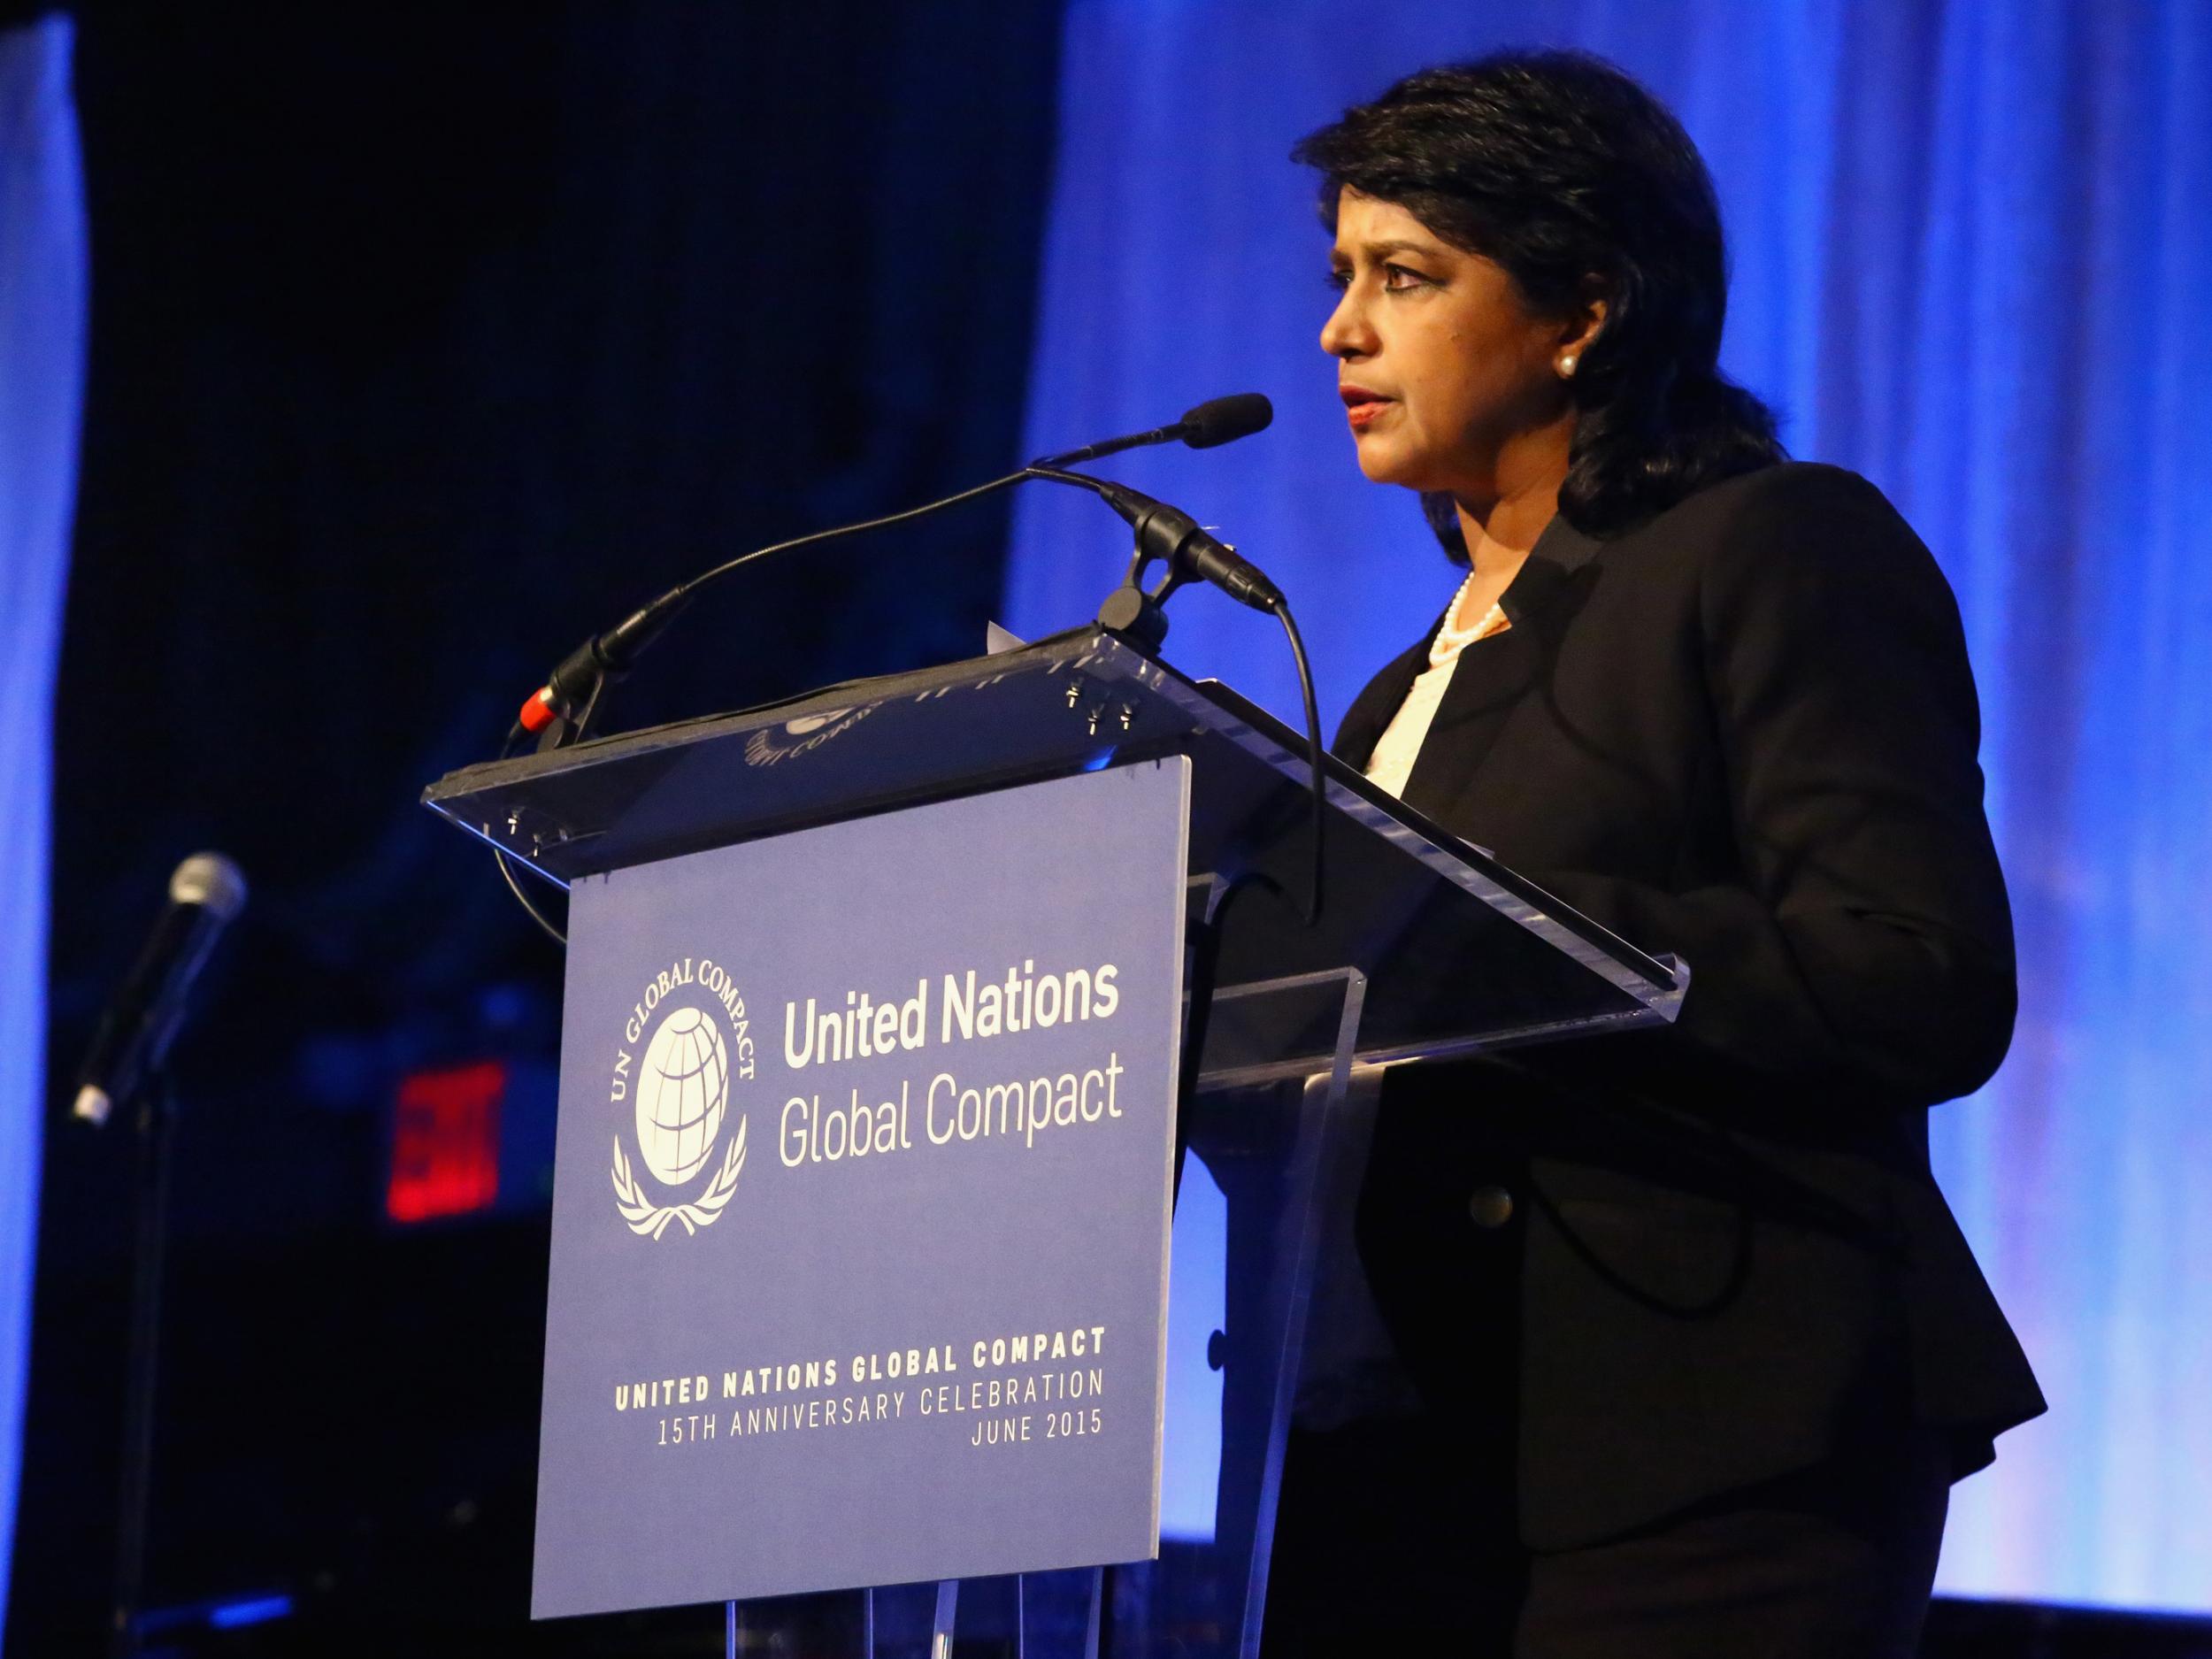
x,y
1024,999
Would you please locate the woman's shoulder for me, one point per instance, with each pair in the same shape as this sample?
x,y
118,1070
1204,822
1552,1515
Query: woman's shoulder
x,y
1789,520
1787,493
1797,538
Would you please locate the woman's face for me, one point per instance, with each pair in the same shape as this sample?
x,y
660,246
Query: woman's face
x,y
1443,369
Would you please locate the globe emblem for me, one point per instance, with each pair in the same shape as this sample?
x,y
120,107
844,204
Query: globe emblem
x,y
682,1087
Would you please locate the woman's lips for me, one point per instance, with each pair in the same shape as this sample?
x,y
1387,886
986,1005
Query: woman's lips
x,y
1362,407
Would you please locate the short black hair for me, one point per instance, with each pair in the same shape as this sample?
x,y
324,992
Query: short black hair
x,y
1565,172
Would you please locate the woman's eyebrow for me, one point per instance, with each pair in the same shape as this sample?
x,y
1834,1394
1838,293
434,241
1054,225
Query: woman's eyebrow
x,y
1380,250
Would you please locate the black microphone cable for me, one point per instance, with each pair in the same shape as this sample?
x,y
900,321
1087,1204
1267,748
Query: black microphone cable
x,y
1314,751
507,865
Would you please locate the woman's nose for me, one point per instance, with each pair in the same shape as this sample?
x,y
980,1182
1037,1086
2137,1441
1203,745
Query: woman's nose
x,y
1346,335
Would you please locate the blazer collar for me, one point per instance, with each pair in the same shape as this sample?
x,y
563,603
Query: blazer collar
x,y
1494,676
1545,575
1548,570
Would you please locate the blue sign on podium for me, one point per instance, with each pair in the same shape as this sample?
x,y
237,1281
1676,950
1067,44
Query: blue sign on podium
x,y
861,1201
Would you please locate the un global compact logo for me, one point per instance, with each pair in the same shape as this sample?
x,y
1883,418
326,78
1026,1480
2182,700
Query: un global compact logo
x,y
681,1090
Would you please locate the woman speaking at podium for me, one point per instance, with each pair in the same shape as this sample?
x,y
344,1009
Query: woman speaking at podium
x,y
1696,1345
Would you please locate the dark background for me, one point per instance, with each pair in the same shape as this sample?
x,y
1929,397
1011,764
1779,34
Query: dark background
x,y
425,341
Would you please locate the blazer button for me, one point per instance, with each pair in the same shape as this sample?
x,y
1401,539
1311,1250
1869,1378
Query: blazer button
x,y
1490,1207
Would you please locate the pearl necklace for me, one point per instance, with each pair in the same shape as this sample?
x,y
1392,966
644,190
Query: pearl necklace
x,y
1451,641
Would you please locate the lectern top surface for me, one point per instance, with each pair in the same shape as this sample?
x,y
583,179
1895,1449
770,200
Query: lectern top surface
x,y
1451,939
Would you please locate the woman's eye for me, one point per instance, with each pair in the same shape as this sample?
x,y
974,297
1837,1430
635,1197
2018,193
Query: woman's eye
x,y
1340,280
1397,278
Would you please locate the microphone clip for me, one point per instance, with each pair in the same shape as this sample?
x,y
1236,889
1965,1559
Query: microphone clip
x,y
1163,534
1187,552
1136,611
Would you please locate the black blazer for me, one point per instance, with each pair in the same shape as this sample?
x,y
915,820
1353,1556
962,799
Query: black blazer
x,y
1745,732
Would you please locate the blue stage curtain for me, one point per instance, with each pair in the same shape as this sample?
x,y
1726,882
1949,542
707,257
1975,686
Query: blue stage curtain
x,y
41,377
1972,245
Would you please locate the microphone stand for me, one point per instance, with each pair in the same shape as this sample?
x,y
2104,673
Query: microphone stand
x,y
153,1125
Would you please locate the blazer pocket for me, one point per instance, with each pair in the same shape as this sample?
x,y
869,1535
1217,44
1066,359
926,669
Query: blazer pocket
x,y
1678,1255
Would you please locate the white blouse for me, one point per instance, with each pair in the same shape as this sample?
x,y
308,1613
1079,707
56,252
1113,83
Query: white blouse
x,y
1400,745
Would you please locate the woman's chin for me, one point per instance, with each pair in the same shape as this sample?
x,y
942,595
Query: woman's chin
x,y
1379,462
1386,464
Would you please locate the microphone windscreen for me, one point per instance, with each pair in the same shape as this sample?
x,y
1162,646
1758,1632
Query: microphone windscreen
x,y
1226,419
210,879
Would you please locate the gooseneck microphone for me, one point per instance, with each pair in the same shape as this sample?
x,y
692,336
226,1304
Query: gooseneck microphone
x,y
1221,420
206,892
573,685
1165,535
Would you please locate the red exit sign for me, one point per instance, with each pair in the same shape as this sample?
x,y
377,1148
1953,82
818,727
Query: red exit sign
x,y
445,1142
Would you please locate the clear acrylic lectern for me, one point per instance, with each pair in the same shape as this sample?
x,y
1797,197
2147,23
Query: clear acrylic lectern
x,y
1426,947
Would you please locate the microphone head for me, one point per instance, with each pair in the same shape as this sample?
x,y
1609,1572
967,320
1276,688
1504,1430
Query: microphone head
x,y
1226,419
209,879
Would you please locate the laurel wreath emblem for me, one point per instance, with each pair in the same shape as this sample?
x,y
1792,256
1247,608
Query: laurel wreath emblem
x,y
651,1219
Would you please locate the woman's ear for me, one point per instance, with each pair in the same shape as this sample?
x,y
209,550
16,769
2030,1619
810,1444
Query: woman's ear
x,y
1579,330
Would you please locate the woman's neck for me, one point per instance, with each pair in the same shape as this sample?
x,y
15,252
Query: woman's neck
x,y
1499,534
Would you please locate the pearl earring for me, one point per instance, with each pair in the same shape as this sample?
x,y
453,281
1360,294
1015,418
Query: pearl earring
x,y
1567,366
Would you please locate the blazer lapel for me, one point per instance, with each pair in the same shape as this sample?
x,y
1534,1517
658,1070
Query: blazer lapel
x,y
1373,711
1493,676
